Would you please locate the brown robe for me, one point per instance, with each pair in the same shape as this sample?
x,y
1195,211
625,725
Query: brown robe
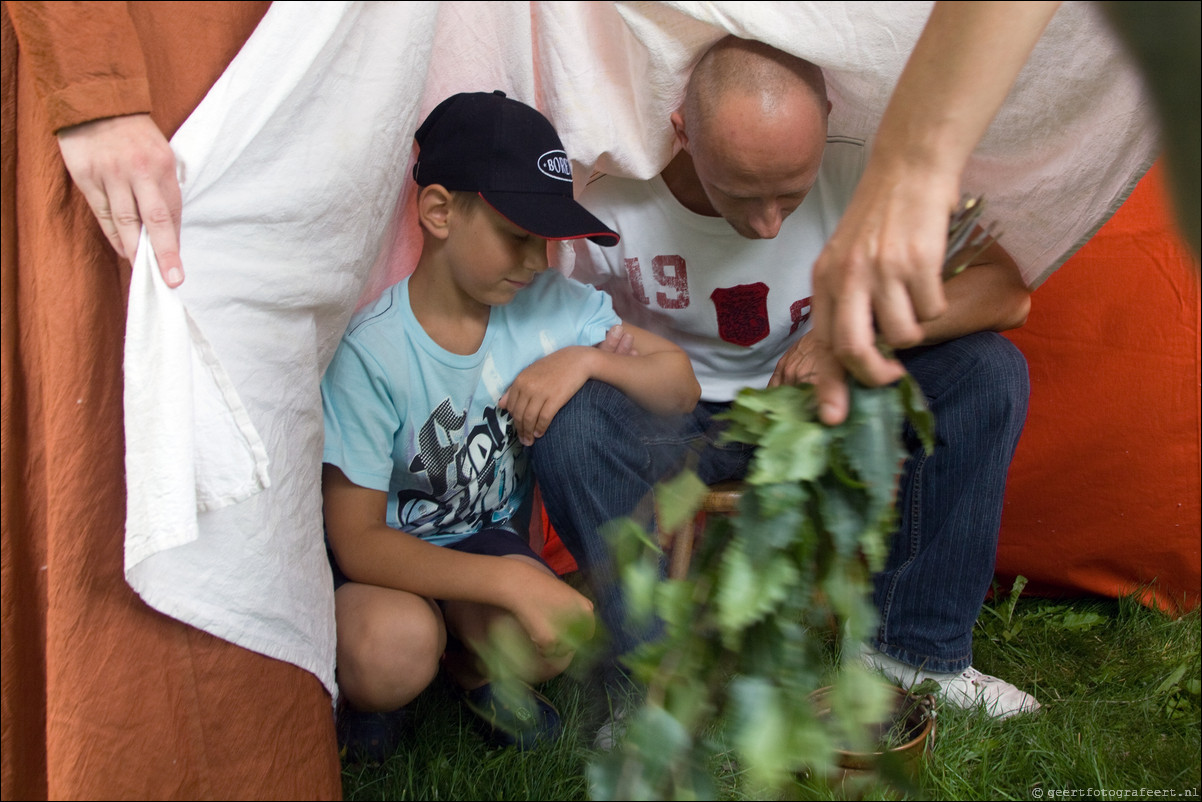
x,y
103,697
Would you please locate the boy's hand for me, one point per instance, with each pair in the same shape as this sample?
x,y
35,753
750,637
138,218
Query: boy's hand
x,y
546,606
542,389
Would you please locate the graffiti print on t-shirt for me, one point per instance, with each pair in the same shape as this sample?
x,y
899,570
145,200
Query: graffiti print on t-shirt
x,y
471,473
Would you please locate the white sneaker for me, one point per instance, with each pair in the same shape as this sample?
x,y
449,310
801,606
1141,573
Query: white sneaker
x,y
966,689
611,733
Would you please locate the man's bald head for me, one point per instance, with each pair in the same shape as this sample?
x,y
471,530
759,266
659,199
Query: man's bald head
x,y
754,125
748,67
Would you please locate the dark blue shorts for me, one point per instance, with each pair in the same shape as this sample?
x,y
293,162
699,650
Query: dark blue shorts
x,y
490,542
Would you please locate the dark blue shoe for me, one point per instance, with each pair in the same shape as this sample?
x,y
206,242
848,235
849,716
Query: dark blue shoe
x,y
371,737
525,726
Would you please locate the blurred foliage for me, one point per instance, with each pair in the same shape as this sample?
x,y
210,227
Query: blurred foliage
x,y
1165,41
770,590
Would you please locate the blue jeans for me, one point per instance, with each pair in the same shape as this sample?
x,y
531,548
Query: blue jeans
x,y
603,453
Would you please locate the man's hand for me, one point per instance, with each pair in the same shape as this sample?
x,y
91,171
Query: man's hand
x,y
799,363
542,389
618,341
126,170
810,361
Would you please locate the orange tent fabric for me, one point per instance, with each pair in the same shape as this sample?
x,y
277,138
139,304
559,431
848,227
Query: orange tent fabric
x,y
1103,495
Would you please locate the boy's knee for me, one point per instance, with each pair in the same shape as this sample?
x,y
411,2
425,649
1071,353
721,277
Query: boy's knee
x,y
384,661
548,668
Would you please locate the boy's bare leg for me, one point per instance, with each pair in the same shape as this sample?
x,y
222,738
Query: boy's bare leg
x,y
390,645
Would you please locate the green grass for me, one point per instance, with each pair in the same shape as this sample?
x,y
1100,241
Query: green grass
x,y
1119,684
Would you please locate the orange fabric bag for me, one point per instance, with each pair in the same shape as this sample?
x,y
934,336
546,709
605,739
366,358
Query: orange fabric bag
x,y
1103,495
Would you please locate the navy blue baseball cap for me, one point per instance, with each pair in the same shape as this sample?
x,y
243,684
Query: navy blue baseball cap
x,y
509,154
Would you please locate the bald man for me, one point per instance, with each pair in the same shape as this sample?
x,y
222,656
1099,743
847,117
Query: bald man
x,y
716,255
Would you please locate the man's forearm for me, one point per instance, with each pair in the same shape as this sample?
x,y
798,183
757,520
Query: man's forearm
x,y
985,297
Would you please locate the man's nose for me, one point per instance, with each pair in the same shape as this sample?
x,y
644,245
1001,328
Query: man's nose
x,y
767,220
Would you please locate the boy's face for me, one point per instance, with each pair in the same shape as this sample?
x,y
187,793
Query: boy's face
x,y
490,258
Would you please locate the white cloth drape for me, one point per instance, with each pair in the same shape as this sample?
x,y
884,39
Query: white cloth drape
x,y
296,207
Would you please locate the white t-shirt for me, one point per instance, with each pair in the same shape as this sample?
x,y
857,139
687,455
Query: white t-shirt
x,y
406,416
733,304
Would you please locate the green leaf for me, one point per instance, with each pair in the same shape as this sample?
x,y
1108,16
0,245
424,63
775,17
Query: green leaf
x,y
790,451
743,425
776,500
770,519
761,730
755,409
872,443
1171,680
687,696
762,649
914,404
628,541
813,519
678,499
640,581
746,592
1078,621
642,769
847,589
841,467
785,399
859,700
675,603
845,515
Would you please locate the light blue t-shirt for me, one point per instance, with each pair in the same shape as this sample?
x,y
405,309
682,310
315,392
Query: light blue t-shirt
x,y
404,415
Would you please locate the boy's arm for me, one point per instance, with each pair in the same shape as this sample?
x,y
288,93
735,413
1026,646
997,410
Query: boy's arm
x,y
654,372
988,295
371,552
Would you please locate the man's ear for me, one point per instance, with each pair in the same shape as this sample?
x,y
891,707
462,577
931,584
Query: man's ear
x,y
434,210
682,138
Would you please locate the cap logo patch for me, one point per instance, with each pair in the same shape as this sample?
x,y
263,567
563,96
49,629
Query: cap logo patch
x,y
555,164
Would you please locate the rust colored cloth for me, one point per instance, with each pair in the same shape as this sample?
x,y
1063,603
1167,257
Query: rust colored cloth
x,y
1103,494
103,697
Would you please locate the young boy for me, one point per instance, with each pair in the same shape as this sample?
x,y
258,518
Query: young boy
x,y
427,403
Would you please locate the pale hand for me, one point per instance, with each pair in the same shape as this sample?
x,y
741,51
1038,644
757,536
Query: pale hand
x,y
881,270
541,390
126,170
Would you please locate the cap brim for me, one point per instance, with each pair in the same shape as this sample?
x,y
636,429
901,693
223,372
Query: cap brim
x,y
549,216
